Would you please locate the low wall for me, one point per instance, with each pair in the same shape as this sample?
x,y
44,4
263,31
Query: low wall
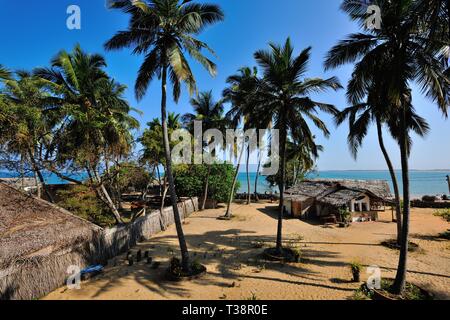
x,y
117,240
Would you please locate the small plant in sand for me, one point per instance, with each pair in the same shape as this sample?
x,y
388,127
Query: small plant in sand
x,y
253,297
356,268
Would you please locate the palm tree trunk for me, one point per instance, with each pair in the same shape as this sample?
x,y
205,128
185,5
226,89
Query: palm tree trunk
x,y
400,279
249,193
104,195
230,199
282,183
159,180
41,178
398,210
173,194
256,180
205,193
38,186
163,203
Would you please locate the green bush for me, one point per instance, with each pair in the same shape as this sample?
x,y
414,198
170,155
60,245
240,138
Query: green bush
x,y
83,202
443,213
190,181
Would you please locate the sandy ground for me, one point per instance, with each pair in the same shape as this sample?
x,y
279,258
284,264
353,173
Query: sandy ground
x,y
230,251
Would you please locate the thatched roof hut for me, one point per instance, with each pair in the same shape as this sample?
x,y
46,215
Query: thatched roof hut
x,y
309,197
38,241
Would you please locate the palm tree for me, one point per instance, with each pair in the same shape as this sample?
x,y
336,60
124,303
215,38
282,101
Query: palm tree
x,y
241,91
412,42
360,117
28,125
94,116
164,30
4,73
210,113
282,99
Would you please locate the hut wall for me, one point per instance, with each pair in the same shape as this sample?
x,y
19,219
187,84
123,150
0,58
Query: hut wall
x,y
34,277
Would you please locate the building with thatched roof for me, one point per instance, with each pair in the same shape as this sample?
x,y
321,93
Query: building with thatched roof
x,y
38,242
326,199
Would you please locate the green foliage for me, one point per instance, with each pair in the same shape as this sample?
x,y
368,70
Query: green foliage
x,y
83,202
130,176
356,266
190,180
345,215
443,213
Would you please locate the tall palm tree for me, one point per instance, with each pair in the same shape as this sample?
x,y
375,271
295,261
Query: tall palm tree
x,y
362,115
95,120
283,99
164,30
414,53
210,113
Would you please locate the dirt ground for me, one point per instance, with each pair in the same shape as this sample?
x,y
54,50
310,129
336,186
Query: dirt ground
x,y
231,249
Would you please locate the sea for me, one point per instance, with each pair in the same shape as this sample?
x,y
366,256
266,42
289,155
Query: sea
x,y
430,182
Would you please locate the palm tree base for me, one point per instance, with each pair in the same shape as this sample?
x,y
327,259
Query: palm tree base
x,y
225,218
195,272
385,293
286,255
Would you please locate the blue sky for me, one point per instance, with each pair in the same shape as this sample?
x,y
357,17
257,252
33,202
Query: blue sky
x,y
34,31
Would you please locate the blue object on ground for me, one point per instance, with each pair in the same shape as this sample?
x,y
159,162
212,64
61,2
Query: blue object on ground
x,y
92,269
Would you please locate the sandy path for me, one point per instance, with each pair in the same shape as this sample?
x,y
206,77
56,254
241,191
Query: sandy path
x,y
228,249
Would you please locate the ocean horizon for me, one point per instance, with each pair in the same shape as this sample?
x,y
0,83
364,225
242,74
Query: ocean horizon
x,y
422,182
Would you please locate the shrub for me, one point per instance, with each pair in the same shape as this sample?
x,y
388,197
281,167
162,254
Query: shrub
x,y
83,202
190,181
429,199
443,213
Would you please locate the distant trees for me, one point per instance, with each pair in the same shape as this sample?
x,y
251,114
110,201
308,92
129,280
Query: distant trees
x,y
210,113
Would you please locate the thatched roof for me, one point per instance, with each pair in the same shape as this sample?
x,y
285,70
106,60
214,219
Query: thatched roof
x,y
30,227
341,197
320,188
379,188
311,189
